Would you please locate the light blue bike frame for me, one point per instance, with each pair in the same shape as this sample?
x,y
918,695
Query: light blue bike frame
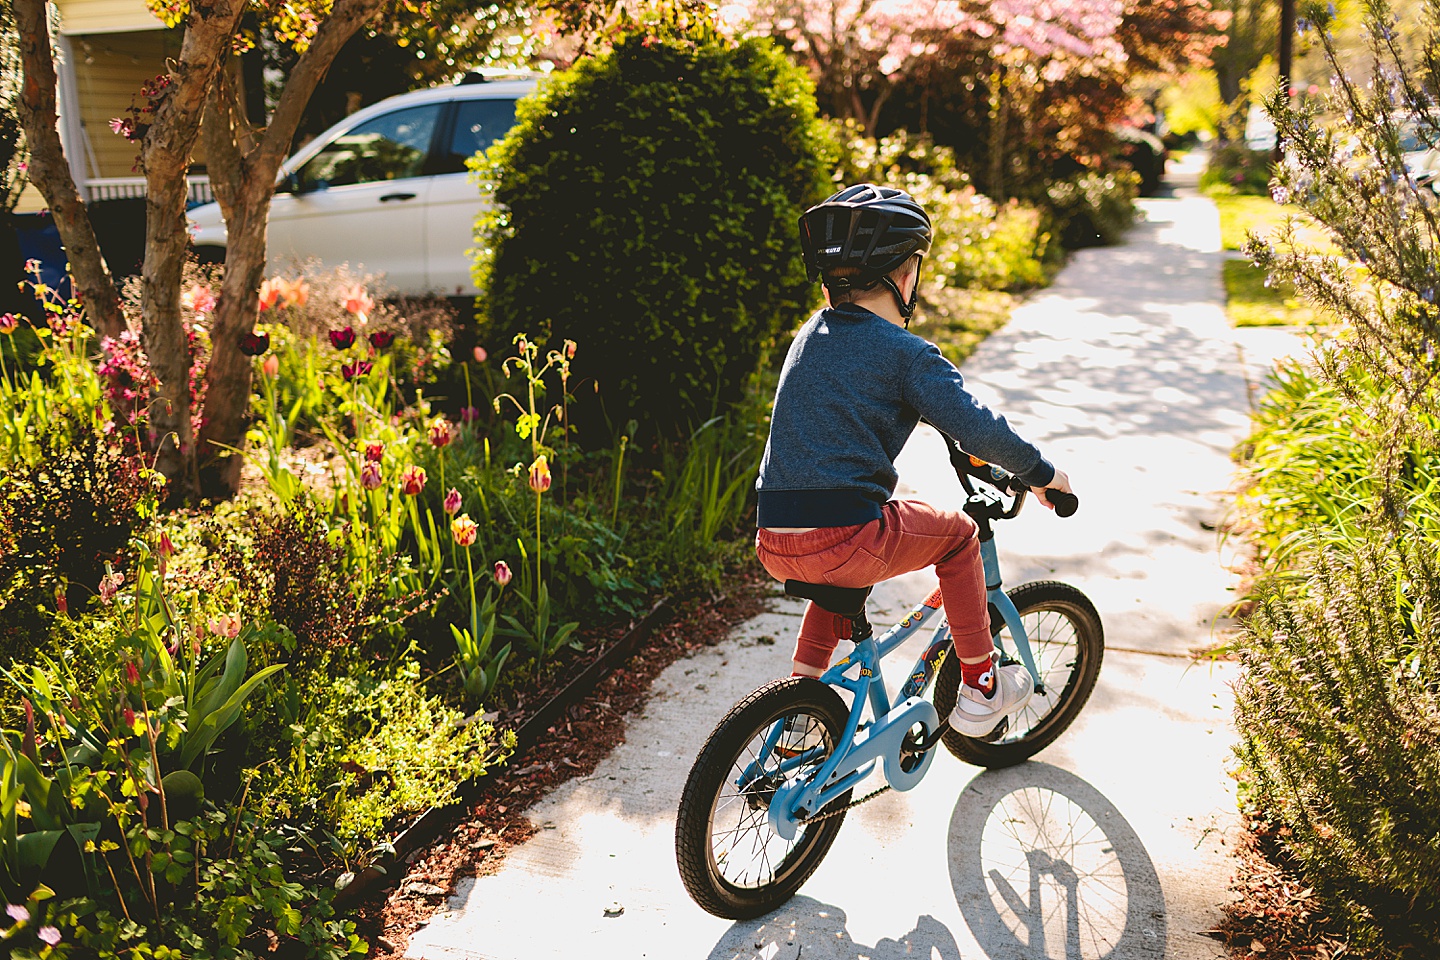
x,y
883,738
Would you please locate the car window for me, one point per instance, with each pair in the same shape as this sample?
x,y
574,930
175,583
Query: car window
x,y
390,147
478,123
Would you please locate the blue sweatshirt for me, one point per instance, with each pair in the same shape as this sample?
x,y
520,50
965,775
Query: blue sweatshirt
x,y
853,387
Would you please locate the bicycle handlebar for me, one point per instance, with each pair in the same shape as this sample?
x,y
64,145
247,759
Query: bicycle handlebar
x,y
966,466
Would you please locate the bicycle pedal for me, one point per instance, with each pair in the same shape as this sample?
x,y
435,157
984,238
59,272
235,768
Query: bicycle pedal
x,y
998,733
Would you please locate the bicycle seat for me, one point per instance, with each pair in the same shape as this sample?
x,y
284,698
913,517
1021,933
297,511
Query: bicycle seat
x,y
846,601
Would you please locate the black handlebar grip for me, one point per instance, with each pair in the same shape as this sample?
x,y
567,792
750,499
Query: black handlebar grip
x,y
1065,504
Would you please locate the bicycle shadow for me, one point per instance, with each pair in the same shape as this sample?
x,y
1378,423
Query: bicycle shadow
x,y
1044,866
806,929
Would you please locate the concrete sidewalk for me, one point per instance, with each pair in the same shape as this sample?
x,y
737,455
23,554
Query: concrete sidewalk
x,y
1113,842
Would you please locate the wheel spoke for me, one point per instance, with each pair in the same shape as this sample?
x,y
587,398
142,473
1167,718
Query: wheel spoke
x,y
1055,645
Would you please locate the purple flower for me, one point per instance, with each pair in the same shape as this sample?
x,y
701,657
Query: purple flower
x,y
381,339
342,339
17,913
48,934
254,344
357,369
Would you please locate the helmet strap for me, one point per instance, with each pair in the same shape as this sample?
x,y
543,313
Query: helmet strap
x,y
907,309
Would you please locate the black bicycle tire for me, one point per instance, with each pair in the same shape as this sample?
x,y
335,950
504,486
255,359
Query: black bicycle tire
x,y
746,720
1070,603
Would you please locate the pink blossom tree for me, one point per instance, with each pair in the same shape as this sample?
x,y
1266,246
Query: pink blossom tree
x,y
859,50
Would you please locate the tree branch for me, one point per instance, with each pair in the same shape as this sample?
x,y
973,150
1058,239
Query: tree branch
x,y
346,16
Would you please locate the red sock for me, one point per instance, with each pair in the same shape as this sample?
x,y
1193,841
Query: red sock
x,y
978,675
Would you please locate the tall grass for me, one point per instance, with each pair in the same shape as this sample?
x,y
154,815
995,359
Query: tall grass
x,y
1318,470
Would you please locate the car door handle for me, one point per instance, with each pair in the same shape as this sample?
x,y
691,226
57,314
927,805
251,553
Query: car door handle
x,y
397,196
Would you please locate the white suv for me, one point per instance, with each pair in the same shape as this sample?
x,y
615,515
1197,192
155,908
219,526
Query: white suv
x,y
386,189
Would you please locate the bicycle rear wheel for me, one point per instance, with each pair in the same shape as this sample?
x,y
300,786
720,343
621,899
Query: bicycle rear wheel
x,y
733,864
1068,642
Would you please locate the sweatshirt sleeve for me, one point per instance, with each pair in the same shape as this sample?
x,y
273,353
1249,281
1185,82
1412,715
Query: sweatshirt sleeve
x,y
935,388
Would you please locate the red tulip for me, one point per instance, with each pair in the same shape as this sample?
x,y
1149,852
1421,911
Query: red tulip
x,y
412,480
342,339
441,433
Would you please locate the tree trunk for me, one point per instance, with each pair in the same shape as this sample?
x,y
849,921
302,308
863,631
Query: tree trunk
x,y
244,168
166,159
94,286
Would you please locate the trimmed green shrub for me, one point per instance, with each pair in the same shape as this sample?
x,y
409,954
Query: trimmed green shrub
x,y
1339,715
978,244
646,203
1094,209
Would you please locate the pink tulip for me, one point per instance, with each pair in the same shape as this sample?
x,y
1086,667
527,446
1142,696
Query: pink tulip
x,y
226,625
452,502
110,586
480,354
370,477
8,323
199,298
269,294
502,573
357,301
270,366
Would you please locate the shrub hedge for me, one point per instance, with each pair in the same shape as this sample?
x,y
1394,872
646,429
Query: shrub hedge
x,y
646,203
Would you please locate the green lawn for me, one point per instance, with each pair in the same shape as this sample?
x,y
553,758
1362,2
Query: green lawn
x,y
1240,215
1249,303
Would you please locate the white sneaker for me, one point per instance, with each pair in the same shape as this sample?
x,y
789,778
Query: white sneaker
x,y
976,715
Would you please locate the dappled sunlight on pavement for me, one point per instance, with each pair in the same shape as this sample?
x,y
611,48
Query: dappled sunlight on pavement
x,y
1128,377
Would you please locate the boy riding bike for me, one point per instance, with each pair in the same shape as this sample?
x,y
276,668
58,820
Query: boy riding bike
x,y
854,385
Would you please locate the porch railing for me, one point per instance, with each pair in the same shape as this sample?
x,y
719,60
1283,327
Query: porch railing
x,y
130,188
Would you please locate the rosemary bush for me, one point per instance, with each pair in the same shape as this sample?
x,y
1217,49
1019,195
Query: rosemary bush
x,y
1339,708
1344,165
1339,712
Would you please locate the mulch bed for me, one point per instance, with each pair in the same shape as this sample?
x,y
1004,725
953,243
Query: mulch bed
x,y
1275,915
488,826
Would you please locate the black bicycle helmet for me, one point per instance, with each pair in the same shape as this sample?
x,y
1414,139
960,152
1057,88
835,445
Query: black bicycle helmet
x,y
873,229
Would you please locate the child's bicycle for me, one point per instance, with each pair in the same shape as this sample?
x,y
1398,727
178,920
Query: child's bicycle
x,y
771,786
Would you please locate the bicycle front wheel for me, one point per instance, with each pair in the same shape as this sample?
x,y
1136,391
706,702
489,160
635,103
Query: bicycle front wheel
x,y
733,864
1068,642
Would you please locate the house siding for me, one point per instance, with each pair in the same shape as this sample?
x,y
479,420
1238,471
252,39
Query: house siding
x,y
110,69
105,16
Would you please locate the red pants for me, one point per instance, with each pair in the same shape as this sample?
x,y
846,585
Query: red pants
x,y
909,535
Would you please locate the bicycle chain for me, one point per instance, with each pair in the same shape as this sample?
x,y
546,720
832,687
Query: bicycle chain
x,y
827,814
